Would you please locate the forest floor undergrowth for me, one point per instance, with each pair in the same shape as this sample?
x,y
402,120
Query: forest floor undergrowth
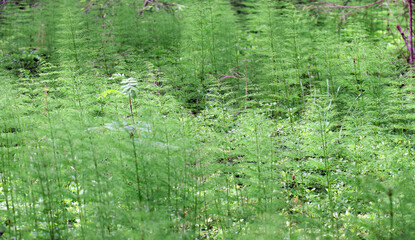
x,y
203,120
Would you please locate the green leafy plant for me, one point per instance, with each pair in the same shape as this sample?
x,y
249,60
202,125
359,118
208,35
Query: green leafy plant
x,y
204,120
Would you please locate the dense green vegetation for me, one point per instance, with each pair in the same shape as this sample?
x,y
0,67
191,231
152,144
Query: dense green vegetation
x,y
214,119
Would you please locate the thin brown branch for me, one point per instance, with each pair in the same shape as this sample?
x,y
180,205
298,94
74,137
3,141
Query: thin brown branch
x,y
403,37
146,2
345,15
411,50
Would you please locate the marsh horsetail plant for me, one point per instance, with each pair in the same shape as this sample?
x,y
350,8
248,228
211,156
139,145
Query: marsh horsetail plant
x,y
212,119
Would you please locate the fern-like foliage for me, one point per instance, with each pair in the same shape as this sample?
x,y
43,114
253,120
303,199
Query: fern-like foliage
x,y
129,86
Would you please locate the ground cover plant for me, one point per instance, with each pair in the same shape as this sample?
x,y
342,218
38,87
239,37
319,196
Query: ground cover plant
x,y
213,119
